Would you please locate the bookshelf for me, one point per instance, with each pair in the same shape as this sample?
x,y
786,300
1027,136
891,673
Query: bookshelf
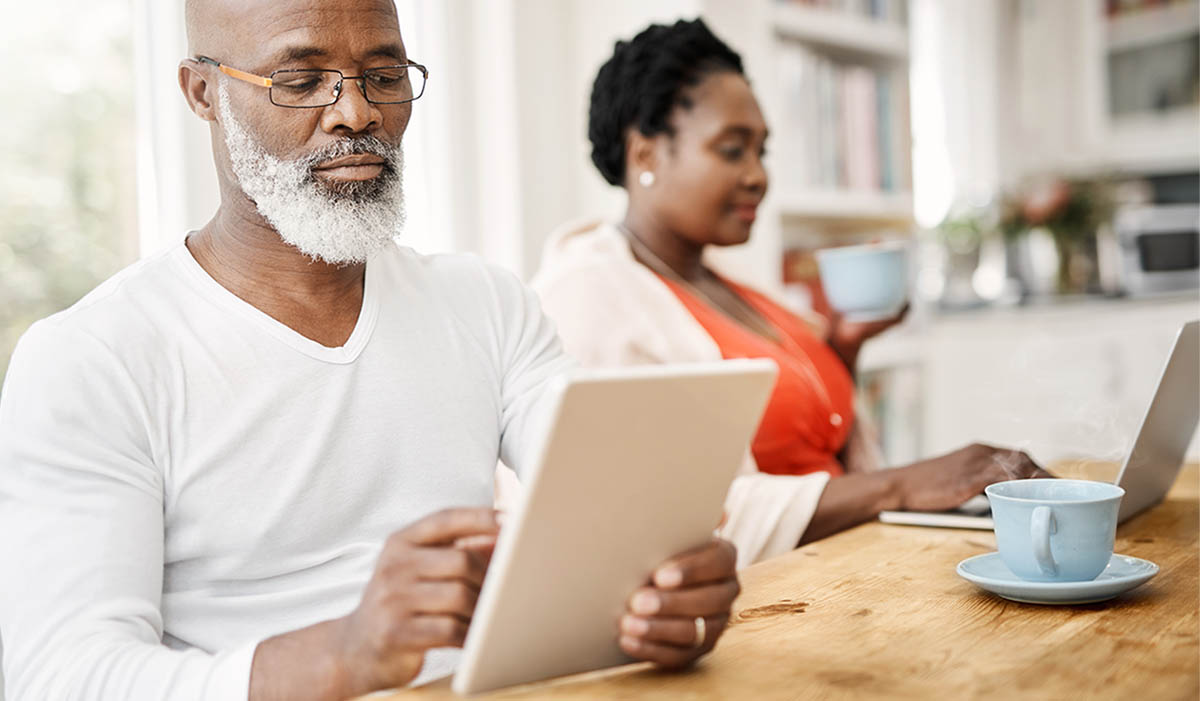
x,y
846,209
843,171
840,31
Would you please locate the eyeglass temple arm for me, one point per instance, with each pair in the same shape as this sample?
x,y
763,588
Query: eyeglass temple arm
x,y
235,73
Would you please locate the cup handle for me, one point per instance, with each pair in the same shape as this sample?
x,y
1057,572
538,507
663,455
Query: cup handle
x,y
1041,527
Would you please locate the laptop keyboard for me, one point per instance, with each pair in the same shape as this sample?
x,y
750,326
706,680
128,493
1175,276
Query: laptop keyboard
x,y
975,506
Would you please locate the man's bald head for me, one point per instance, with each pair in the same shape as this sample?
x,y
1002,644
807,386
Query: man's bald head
x,y
225,27
205,21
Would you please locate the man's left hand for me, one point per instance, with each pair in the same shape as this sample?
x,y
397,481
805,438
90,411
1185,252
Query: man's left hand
x,y
660,623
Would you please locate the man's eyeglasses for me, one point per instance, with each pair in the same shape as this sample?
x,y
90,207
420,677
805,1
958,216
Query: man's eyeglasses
x,y
319,87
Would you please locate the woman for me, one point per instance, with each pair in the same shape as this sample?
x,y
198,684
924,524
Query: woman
x,y
674,122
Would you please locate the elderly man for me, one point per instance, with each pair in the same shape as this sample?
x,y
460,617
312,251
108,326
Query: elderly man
x,y
260,464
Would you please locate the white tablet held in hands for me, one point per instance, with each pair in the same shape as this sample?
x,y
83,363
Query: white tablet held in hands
x,y
634,469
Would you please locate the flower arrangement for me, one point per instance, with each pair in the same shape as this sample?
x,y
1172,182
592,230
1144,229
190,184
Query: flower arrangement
x,y
1071,211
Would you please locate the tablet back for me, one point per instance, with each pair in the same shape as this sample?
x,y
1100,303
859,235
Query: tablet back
x,y
634,469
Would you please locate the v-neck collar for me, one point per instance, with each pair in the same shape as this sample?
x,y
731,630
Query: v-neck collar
x,y
343,354
784,341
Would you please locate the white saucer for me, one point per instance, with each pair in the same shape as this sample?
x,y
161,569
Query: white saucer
x,y
1122,574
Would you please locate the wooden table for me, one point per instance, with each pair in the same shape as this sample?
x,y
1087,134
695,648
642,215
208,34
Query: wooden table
x,y
878,612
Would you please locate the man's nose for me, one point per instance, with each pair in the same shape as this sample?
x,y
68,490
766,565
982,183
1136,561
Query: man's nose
x,y
351,112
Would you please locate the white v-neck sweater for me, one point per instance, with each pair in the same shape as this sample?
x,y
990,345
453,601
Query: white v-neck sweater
x,y
182,476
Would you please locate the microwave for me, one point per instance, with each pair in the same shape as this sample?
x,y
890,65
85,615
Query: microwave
x,y
1158,248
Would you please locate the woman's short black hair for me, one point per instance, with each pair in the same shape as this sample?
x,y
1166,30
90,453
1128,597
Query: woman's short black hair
x,y
644,80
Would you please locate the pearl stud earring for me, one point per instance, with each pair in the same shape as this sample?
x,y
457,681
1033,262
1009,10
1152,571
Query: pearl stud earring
x,y
646,178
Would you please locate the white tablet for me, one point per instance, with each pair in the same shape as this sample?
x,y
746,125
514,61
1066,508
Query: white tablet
x,y
634,469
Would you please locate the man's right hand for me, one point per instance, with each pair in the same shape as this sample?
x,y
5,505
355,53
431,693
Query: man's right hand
x,y
421,596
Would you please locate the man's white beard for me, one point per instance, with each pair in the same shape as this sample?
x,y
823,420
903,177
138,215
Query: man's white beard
x,y
339,226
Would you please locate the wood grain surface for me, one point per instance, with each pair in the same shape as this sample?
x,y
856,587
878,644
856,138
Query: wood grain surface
x,y
878,612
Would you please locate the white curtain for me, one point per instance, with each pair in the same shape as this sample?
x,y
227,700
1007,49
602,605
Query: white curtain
x,y
177,190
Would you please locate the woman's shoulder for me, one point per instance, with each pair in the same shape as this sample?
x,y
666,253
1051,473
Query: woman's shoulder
x,y
583,255
609,308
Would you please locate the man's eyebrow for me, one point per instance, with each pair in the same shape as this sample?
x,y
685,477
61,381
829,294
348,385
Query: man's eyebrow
x,y
292,54
297,53
393,51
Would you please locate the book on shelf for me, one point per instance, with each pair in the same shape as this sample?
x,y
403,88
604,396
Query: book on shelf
x,y
843,125
889,11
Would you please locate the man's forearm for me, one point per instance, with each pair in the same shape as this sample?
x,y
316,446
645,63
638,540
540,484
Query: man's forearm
x,y
302,664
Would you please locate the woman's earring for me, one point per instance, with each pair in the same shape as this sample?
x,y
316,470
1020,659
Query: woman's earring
x,y
646,179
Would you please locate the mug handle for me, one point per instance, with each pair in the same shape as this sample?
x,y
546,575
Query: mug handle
x,y
1041,527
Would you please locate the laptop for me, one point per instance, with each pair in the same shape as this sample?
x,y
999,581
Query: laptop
x,y
1153,463
634,470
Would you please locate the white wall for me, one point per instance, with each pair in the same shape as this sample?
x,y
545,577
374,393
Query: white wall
x,y
1060,381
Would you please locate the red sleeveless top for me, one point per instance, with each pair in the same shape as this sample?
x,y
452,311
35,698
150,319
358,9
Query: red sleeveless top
x,y
811,410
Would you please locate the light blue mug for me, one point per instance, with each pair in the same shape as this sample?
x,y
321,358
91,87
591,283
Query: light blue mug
x,y
1055,530
865,282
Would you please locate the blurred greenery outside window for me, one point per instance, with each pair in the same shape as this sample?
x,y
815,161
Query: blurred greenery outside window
x,y
67,193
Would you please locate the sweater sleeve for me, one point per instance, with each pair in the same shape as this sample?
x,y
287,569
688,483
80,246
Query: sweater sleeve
x,y
81,536
765,515
531,362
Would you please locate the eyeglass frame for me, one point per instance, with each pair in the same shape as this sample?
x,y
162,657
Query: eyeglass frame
x,y
267,81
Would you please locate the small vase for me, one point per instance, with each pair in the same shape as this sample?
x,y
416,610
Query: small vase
x,y
1078,269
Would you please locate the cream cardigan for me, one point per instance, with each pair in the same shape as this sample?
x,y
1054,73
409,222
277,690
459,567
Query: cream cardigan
x,y
611,310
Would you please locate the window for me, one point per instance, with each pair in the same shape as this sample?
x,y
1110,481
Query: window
x,y
67,191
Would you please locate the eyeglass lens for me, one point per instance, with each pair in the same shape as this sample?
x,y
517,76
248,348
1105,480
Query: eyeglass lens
x,y
317,88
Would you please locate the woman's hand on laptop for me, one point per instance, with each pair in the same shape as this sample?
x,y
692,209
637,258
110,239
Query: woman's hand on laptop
x,y
945,482
679,615
421,596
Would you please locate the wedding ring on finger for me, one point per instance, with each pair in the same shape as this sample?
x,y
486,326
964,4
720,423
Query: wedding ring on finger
x,y
701,632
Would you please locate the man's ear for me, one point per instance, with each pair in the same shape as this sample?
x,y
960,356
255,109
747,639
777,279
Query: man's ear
x,y
641,155
195,90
